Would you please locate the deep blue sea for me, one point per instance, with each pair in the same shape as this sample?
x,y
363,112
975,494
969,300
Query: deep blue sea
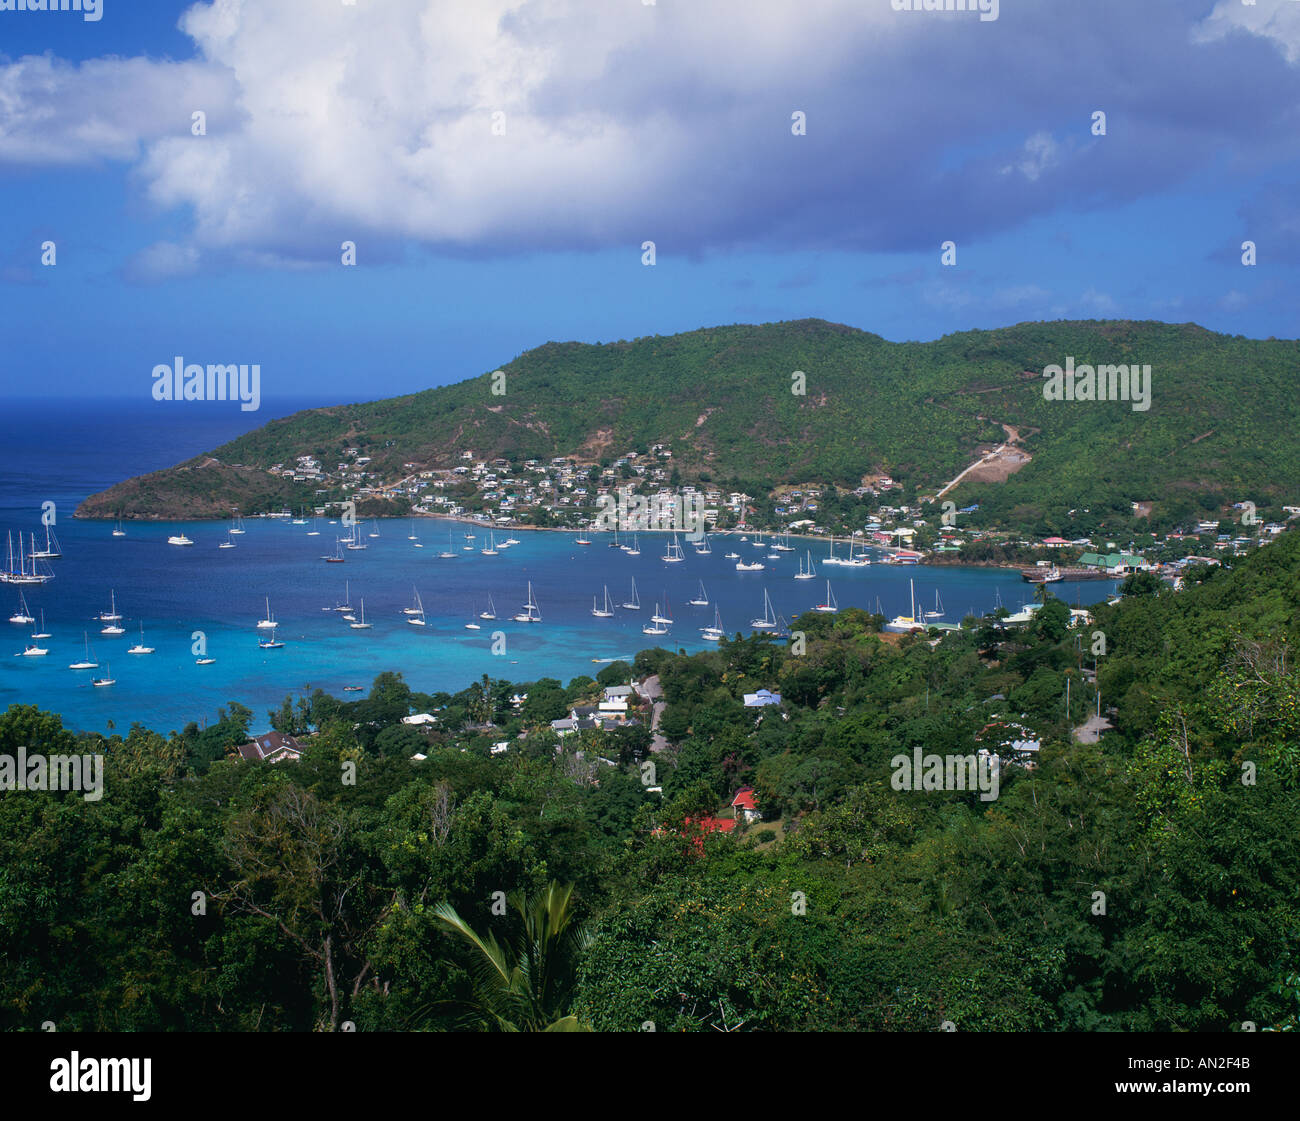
x,y
63,451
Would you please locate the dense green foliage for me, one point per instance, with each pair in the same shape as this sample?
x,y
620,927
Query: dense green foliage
x,y
1221,422
853,905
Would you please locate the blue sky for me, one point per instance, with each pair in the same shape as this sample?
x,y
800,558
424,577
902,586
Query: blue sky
x,y
624,122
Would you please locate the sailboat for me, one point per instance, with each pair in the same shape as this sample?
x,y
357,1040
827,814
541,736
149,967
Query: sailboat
x,y
415,608
491,550
140,647
52,550
338,557
269,642
20,575
580,540
667,619
118,531
450,552
635,550
715,632
830,557
784,547
356,542
674,554
111,615
268,622
42,633
530,613
491,612
237,526
768,621
411,536
227,543
23,614
855,560
362,625
806,573
937,613
346,605
373,531
108,679
606,612
657,624
704,549
702,599
906,624
299,520
88,662
471,625
830,606
416,617
635,603
313,532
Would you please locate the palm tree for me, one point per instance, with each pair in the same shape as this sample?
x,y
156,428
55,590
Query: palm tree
x,y
527,983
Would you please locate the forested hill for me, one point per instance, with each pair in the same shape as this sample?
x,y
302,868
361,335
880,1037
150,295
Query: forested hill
x,y
1222,416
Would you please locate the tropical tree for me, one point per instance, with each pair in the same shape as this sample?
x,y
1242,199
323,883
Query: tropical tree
x,y
527,983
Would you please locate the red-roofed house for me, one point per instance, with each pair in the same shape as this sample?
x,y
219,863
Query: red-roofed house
x,y
274,747
744,804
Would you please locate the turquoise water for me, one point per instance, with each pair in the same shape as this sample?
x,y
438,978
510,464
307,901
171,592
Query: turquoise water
x,y
177,591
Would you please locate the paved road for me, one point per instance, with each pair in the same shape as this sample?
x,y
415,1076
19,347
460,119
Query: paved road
x,y
657,706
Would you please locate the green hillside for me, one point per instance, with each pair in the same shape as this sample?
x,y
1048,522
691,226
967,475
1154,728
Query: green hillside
x,y
1222,417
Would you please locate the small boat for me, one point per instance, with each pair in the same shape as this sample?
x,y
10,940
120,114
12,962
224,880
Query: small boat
x,y
237,526
52,550
581,541
634,604
112,629
373,531
31,650
299,520
830,557
937,613
666,619
411,536
361,625
704,549
204,661
337,558
701,599
108,679
88,662
356,543
227,543
657,624
111,615
674,554
530,613
491,550
510,541
713,633
450,552
267,623
491,612
768,621
906,624
313,532
346,605
23,615
416,617
353,688
140,647
635,549
731,556
118,531
270,642
471,625
605,612
829,607
806,573
784,547
42,633
179,539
